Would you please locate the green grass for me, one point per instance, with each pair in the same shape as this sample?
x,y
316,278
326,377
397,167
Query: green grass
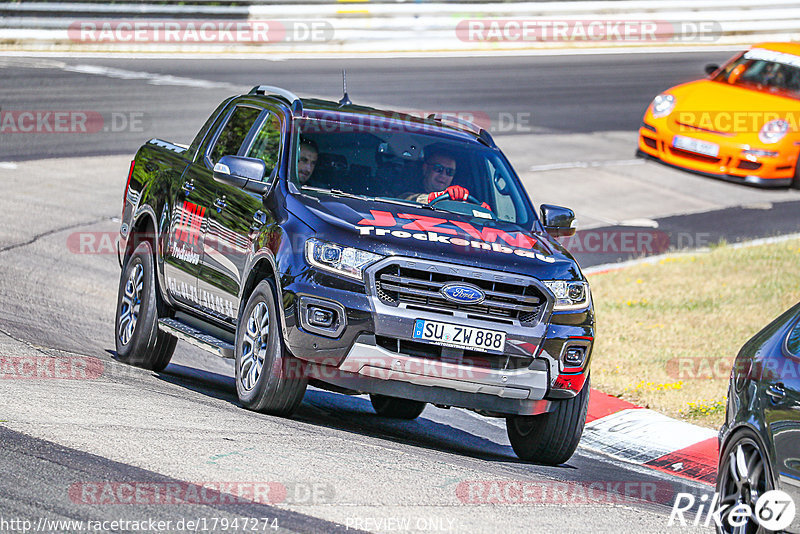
x,y
704,305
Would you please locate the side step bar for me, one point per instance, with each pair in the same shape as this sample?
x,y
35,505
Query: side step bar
x,y
196,337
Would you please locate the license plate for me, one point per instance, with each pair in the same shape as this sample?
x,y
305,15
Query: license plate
x,y
695,145
462,337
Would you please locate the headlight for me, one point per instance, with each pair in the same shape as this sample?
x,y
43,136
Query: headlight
x,y
569,295
773,131
338,259
663,105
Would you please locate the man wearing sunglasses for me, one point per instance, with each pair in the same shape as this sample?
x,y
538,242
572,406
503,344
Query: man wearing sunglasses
x,y
438,171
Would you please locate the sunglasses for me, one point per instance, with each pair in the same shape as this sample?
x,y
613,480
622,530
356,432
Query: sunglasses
x,y
441,169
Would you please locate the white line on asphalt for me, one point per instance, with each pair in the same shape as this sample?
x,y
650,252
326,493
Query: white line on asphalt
x,y
586,164
150,77
10,165
121,74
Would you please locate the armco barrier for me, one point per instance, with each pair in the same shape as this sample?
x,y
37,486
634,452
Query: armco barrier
x,y
419,26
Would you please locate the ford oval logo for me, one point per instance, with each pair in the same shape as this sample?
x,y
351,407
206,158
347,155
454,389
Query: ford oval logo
x,y
463,293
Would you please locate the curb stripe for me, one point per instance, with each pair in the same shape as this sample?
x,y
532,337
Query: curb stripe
x,y
697,462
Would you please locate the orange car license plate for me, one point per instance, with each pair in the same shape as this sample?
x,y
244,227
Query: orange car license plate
x,y
695,145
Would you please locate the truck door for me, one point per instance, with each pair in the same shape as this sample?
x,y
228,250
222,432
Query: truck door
x,y
236,219
223,252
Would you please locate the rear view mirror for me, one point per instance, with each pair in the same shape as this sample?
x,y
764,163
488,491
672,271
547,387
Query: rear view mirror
x,y
241,172
558,221
711,68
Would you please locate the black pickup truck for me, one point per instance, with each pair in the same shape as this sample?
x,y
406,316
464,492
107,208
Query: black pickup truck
x,y
366,251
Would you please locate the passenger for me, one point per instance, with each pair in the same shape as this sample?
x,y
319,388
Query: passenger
x,y
307,160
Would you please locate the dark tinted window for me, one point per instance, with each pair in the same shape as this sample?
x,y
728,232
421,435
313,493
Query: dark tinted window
x,y
233,134
267,143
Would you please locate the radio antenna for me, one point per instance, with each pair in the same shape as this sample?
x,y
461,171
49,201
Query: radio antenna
x,y
345,101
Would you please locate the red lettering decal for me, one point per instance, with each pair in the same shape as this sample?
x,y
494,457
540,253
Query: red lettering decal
x,y
182,232
381,218
425,224
197,223
490,235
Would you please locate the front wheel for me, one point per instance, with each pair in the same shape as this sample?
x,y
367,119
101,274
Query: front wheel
x,y
796,178
268,378
396,408
138,339
550,438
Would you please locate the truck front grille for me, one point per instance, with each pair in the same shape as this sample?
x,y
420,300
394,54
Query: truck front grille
x,y
419,289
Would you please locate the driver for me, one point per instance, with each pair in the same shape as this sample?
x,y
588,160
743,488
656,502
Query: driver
x,y
438,171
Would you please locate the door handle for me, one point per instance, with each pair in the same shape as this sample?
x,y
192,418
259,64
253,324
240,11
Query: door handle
x,y
259,220
188,187
776,392
220,204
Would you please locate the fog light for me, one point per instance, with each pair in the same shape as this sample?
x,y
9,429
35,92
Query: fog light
x,y
320,317
575,357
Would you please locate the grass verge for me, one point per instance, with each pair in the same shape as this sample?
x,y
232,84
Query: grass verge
x,y
667,332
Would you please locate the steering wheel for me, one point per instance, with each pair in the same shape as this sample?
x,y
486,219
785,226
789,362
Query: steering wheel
x,y
446,196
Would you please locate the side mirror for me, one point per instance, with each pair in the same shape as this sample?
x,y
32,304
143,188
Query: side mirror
x,y
558,221
711,68
241,172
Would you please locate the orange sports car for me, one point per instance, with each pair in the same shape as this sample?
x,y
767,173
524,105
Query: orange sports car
x,y
742,123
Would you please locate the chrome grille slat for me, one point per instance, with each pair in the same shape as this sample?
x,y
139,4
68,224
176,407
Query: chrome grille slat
x,y
438,285
436,295
513,301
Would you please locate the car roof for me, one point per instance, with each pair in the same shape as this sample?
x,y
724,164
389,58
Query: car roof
x,y
787,48
314,108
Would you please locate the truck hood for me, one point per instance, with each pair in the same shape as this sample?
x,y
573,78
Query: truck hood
x,y
394,229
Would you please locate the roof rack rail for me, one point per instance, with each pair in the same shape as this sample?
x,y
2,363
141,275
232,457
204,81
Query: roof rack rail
x,y
463,124
289,97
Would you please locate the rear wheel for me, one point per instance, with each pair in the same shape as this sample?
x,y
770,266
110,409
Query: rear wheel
x,y
550,438
396,408
268,378
138,339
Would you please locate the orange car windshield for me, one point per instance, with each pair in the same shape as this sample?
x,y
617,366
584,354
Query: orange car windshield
x,y
764,70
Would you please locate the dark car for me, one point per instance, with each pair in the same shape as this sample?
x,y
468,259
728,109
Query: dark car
x,y
365,250
760,440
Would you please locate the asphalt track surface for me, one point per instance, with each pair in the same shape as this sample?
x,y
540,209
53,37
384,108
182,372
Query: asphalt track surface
x,y
564,94
181,424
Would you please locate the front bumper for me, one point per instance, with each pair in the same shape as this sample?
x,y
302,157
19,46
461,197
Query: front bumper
x,y
730,164
374,351
369,368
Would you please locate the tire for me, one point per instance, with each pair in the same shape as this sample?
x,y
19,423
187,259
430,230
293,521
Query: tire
x,y
268,378
743,445
550,438
796,179
396,408
138,340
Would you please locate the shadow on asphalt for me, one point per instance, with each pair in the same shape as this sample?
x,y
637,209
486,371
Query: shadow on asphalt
x,y
354,414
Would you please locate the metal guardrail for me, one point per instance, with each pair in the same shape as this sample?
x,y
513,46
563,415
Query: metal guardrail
x,y
383,25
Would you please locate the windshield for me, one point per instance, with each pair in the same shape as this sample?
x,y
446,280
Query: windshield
x,y
392,161
764,70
